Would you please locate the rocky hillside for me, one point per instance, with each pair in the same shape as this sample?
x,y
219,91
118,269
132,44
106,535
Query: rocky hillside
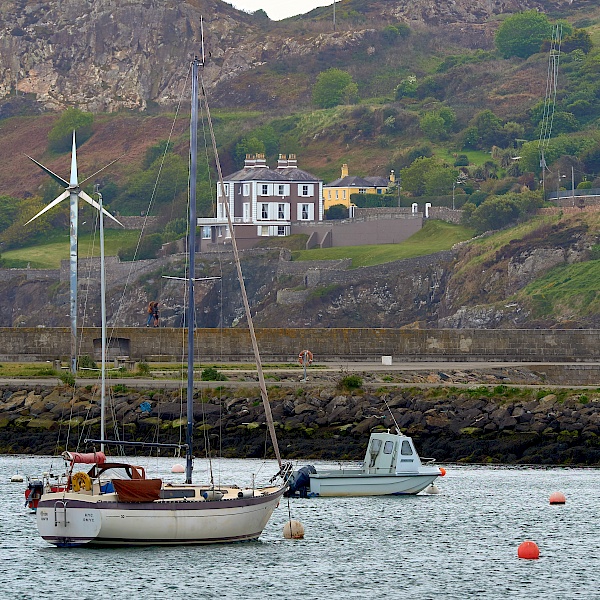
x,y
106,56
491,282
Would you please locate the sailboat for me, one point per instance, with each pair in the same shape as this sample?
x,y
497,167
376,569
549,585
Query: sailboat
x,y
116,504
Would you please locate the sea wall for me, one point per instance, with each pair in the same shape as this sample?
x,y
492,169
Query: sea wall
x,y
536,345
491,425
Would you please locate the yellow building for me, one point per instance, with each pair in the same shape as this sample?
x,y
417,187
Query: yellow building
x,y
340,190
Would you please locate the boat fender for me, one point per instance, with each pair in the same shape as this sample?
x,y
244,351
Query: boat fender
x,y
246,494
212,495
80,480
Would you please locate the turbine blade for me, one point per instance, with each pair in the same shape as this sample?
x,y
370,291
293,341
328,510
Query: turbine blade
x,y
73,180
54,202
91,201
54,176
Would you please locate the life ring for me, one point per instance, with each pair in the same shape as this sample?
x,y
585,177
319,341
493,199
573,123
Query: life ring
x,y
305,357
80,480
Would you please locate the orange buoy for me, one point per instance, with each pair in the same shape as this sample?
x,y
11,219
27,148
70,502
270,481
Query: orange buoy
x,y
442,472
528,550
177,469
557,498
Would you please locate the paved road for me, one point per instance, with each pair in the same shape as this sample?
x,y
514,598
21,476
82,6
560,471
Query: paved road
x,y
327,369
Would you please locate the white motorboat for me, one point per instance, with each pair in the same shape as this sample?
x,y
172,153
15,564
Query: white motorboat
x,y
391,466
115,504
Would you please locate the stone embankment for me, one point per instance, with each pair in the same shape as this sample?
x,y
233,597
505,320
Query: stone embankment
x,y
492,424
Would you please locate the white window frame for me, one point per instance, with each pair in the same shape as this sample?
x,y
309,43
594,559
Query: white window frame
x,y
305,189
246,189
281,230
206,233
264,189
246,212
281,211
264,210
306,212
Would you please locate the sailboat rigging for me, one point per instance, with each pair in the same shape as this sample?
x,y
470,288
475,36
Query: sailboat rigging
x,y
97,508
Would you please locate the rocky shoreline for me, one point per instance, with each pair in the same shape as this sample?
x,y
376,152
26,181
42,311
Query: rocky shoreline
x,y
477,424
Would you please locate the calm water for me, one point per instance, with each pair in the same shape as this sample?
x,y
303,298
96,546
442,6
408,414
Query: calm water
x,y
459,544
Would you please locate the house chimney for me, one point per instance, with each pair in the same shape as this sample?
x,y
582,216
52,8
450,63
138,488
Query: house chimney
x,y
261,161
392,176
282,161
344,170
250,161
292,162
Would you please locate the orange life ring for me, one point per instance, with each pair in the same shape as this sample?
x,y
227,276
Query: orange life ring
x,y
305,357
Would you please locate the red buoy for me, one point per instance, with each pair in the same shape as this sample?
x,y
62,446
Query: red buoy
x,y
557,498
442,472
528,550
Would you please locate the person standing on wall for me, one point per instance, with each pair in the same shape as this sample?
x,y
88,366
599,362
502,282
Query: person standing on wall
x,y
150,313
155,314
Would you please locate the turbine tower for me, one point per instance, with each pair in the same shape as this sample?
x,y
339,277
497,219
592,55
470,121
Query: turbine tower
x,y
72,191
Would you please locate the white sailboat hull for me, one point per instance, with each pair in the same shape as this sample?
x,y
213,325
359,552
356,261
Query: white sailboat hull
x,y
358,483
72,520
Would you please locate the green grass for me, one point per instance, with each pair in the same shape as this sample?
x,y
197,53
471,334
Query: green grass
x,y
47,255
476,157
566,289
434,237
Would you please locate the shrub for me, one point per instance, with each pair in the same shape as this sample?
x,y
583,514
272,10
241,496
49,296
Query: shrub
x,y
462,160
61,135
67,378
211,374
143,368
350,382
86,362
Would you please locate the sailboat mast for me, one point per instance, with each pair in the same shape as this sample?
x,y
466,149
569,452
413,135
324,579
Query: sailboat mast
x,y
103,312
191,270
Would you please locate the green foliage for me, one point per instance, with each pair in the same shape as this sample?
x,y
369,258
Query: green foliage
x,y
455,60
143,369
522,34
433,126
67,378
248,146
147,248
499,211
333,87
175,229
86,362
407,88
350,382
60,136
485,131
374,200
211,374
156,151
8,209
585,185
391,33
462,160
120,388
428,176
337,211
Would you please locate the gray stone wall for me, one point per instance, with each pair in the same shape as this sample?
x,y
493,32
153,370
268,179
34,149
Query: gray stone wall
x,y
561,345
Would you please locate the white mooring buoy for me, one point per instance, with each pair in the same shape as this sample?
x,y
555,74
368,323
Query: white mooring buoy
x,y
293,530
432,489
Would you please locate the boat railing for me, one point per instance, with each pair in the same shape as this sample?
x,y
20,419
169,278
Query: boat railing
x,y
427,461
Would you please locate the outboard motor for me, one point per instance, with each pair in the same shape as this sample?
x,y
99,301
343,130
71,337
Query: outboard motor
x,y
33,493
299,482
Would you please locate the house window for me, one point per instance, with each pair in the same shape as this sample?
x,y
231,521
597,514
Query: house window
x,y
305,212
281,189
406,449
281,211
246,211
206,233
306,189
337,194
263,231
362,190
264,211
379,191
344,194
264,189
280,230
246,189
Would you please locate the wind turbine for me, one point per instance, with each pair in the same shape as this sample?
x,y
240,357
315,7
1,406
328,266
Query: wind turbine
x,y
72,191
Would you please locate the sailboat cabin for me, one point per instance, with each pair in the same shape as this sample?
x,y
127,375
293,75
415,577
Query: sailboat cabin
x,y
264,202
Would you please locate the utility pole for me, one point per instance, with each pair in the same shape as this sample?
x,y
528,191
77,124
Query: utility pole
x,y
334,15
573,184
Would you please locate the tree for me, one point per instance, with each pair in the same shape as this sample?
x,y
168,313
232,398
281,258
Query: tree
x,y
61,135
156,151
337,211
330,88
407,88
251,145
413,176
433,126
522,34
439,180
